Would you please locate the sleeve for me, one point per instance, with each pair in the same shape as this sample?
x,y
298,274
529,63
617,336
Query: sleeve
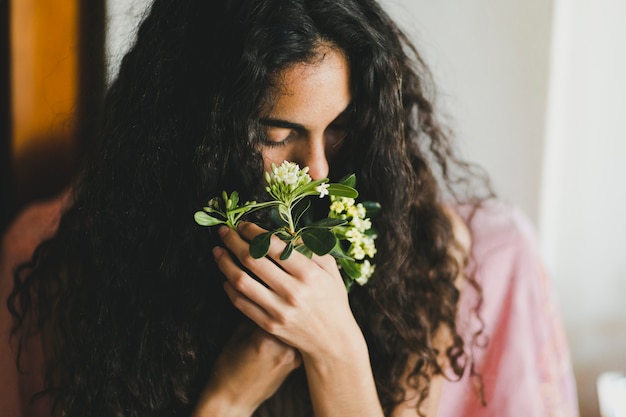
x,y
521,354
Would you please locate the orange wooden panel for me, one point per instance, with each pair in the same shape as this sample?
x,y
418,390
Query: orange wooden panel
x,y
44,76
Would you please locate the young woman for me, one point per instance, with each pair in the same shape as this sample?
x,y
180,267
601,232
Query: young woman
x,y
140,312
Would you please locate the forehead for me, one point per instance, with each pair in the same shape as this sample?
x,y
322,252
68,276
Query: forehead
x,y
319,86
327,64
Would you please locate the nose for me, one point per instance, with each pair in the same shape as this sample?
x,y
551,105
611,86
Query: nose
x,y
313,155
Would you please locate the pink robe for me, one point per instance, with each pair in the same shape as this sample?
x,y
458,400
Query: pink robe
x,y
32,226
525,367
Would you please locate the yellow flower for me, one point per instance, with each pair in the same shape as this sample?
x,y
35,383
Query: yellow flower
x,y
367,270
336,207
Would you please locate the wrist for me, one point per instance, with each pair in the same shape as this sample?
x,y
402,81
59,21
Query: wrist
x,y
340,353
215,404
342,382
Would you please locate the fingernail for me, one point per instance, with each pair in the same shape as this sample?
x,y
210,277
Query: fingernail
x,y
222,231
217,252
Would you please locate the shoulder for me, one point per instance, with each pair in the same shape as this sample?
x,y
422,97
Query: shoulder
x,y
34,224
501,233
504,261
493,237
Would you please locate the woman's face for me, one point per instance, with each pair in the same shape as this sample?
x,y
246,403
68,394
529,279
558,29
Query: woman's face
x,y
311,115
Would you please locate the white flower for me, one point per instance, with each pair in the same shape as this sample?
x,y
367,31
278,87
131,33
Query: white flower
x,y
356,251
361,212
322,189
361,224
336,207
352,211
286,173
369,247
347,202
367,270
354,236
284,179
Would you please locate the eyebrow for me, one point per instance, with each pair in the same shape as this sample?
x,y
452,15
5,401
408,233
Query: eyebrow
x,y
285,124
270,122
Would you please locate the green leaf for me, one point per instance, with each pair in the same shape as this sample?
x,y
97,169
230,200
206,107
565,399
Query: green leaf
x,y
349,180
234,198
287,251
275,220
350,267
283,234
299,210
328,223
337,253
204,219
372,208
305,251
320,241
341,190
260,245
348,282
308,188
284,213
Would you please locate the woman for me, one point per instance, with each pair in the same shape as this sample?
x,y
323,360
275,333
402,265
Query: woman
x,y
129,296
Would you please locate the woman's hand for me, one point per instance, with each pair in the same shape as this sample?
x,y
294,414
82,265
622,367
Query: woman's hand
x,y
250,369
303,302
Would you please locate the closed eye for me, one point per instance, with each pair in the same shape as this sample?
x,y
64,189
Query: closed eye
x,y
279,132
278,136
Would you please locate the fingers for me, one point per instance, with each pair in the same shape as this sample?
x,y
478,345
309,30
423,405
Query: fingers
x,y
250,309
297,264
293,264
285,286
253,291
273,276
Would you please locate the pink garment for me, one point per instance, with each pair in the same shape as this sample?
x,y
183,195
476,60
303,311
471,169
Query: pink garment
x,y
35,224
525,366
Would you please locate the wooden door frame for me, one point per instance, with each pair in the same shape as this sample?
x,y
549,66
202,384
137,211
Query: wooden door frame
x,y
6,174
91,86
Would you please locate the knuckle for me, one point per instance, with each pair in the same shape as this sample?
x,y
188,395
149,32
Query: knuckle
x,y
245,258
239,281
245,227
237,302
248,229
227,238
272,327
288,356
294,297
284,318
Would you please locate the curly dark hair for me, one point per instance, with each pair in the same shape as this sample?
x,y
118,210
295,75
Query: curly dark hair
x,y
126,294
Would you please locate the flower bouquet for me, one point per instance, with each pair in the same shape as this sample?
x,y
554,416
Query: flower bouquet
x,y
346,233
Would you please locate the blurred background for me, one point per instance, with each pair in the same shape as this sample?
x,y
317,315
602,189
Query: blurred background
x,y
533,89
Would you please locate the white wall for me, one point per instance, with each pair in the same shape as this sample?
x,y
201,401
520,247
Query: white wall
x,y
122,19
584,195
490,59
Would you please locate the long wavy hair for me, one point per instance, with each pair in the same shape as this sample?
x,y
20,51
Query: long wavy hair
x,y
126,294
